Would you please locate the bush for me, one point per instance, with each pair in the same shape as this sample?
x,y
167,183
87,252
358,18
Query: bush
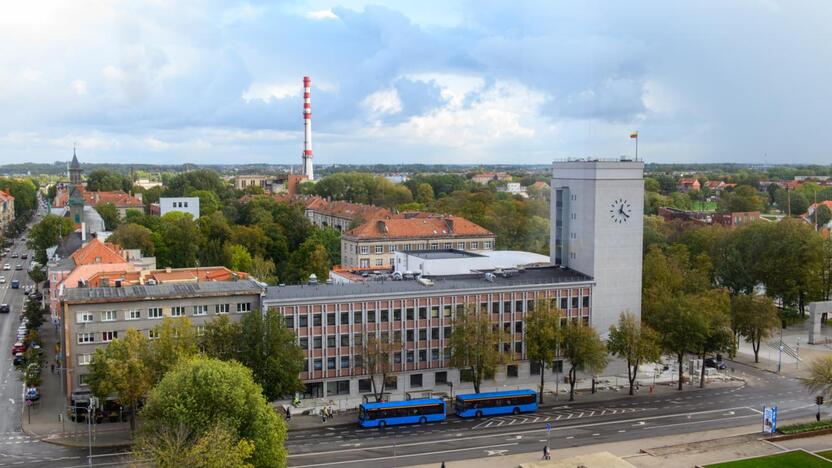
x,y
806,427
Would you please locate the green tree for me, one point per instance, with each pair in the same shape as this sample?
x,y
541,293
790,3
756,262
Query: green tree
x,y
209,202
271,352
754,318
218,447
215,232
377,361
635,343
584,350
38,275
237,257
121,368
743,198
311,257
823,215
542,326
263,269
474,344
174,340
47,233
221,339
424,194
715,307
682,327
181,240
109,213
101,180
134,236
331,240
790,269
201,392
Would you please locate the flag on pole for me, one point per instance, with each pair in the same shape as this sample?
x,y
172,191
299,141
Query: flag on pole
x,y
634,134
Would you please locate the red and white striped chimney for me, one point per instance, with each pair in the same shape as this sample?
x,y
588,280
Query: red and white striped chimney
x,y
307,130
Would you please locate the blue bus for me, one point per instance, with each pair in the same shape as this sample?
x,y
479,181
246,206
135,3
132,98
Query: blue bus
x,y
401,412
494,403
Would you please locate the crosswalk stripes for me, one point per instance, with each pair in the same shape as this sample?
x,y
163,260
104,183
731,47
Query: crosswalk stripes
x,y
552,415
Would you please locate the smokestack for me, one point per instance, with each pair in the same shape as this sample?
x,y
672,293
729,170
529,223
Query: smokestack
x,y
307,130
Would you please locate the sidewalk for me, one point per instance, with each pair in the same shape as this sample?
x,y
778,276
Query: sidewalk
x,y
47,419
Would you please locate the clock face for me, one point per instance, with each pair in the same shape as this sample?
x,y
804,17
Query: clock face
x,y
620,211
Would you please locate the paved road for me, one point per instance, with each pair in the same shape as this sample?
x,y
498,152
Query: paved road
x,y
16,448
573,425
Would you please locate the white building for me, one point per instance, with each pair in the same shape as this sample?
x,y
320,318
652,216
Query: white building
x,y
597,216
183,204
514,188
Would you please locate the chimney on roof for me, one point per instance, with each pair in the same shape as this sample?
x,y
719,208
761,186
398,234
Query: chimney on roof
x,y
167,269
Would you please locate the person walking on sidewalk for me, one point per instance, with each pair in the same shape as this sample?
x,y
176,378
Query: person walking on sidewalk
x,y
52,367
546,455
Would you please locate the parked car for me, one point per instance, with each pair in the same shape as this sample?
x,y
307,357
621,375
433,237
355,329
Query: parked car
x,y
14,255
24,256
18,267
2,280
716,363
18,359
18,348
7,267
5,309
32,394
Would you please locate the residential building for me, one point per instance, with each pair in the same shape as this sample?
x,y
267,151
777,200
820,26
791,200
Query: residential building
x,y
6,210
670,214
597,219
485,177
188,205
810,213
736,218
374,243
281,183
92,317
514,188
340,215
333,321
689,185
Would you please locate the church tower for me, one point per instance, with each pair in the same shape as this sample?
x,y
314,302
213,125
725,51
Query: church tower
x,y
75,170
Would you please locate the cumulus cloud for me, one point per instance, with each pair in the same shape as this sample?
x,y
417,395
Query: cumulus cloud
x,y
491,81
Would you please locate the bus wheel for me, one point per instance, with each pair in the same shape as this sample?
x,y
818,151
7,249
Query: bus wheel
x,y
479,414
423,420
382,424
516,411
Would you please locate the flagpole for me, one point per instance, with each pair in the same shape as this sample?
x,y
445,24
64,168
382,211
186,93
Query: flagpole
x,y
636,146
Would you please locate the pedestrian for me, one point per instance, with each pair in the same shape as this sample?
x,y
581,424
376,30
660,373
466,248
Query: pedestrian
x,y
546,455
52,366
443,465
323,414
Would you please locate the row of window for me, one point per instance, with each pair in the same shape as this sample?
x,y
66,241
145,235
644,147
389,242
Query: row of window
x,y
358,361
411,313
343,340
157,312
391,248
107,336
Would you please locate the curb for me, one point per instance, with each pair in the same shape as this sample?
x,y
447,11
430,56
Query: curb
x,y
64,443
801,435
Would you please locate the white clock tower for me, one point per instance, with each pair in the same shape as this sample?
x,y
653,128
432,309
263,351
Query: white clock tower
x,y
597,228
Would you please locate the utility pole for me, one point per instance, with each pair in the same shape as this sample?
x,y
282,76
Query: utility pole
x,y
780,353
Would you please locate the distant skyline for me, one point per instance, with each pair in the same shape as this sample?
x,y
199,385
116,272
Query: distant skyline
x,y
516,82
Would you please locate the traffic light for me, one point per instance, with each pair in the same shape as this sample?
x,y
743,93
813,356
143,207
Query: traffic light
x,y
819,400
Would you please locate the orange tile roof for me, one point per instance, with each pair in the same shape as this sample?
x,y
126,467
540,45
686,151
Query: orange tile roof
x,y
96,251
432,226
346,210
93,273
130,276
118,198
6,195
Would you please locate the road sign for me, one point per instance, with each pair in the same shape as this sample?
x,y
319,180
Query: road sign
x,y
548,427
770,420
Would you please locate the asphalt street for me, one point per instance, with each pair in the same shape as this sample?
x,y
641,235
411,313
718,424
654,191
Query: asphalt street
x,y
16,448
572,425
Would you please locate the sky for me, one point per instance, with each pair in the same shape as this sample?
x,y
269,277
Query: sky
x,y
467,82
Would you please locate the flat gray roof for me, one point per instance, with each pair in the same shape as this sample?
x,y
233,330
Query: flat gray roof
x,y
448,284
161,291
441,254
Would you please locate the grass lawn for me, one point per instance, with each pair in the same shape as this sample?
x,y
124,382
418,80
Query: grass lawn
x,y
796,459
827,454
706,206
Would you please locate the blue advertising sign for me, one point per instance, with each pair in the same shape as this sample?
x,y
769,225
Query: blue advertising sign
x,y
770,420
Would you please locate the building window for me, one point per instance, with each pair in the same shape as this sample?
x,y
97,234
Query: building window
x,y
410,356
371,316
108,315
358,339
511,370
448,245
330,363
534,368
84,359
384,316
303,321
316,320
423,355
364,249
518,327
177,311
345,362
84,317
486,245
317,342
243,307
357,317
575,302
379,249
304,343
289,320
434,246
563,303
407,247
441,377
319,364
200,330
586,301
330,341
134,314
475,245
86,338
330,319
415,380
108,336
222,309
364,263
345,318
423,334
200,310
460,245
434,333
152,334
518,348
392,248
397,358
345,340
423,313
446,332
410,313
379,262
434,354
358,361
397,315
365,386
392,261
